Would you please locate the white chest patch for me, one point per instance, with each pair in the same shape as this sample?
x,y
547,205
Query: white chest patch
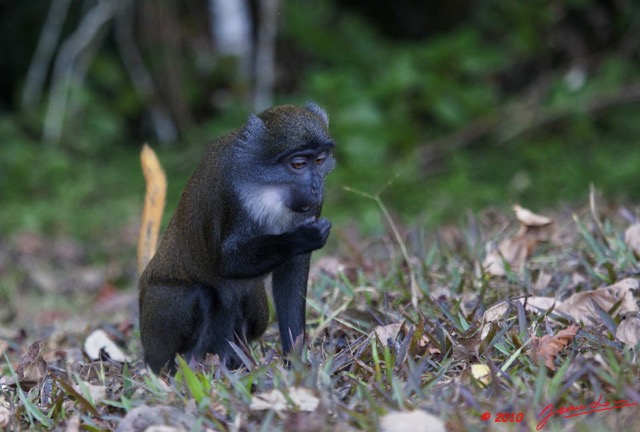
x,y
266,207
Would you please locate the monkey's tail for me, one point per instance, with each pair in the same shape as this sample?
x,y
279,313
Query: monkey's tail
x,y
154,199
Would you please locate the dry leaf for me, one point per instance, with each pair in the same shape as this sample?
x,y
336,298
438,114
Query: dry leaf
x,y
384,333
161,428
73,425
215,404
31,368
529,218
494,313
534,228
481,372
537,304
96,393
632,237
144,418
303,399
578,279
513,251
99,340
628,331
580,307
334,268
5,417
411,421
548,347
542,282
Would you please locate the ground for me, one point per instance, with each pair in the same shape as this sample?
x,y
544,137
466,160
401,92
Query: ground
x,y
500,322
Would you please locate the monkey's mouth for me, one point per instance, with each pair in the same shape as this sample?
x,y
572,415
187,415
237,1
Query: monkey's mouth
x,y
311,211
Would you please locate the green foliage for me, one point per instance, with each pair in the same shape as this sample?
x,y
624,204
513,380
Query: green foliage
x,y
197,387
391,101
388,100
51,189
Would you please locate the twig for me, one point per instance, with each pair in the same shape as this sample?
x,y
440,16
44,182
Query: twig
x,y
47,43
265,61
230,27
65,67
396,234
508,128
163,126
594,213
598,105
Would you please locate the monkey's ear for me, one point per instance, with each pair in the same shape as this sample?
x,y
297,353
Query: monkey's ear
x,y
255,128
314,108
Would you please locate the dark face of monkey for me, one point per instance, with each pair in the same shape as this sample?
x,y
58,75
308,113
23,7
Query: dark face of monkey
x,y
293,176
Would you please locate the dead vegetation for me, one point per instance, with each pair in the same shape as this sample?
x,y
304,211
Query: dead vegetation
x,y
521,323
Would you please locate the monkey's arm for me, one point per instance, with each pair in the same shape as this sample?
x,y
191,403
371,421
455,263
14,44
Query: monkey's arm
x,y
259,255
290,296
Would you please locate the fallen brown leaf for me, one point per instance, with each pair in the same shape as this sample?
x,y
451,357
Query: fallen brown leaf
x,y
537,304
493,314
334,268
529,218
411,421
145,417
580,305
542,282
31,368
512,251
534,228
94,393
73,425
384,333
5,417
548,347
298,398
628,331
632,237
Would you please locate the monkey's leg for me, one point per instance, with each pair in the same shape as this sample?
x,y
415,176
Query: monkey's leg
x,y
166,325
220,312
290,298
255,310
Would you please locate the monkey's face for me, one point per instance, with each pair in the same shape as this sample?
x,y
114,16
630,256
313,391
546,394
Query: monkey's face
x,y
293,192
305,191
287,151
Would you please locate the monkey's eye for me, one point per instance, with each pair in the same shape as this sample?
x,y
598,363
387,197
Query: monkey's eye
x,y
321,158
298,163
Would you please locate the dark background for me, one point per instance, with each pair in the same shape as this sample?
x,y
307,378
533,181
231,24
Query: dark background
x,y
464,105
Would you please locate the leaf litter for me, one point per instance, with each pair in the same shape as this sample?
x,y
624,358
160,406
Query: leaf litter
x,y
549,315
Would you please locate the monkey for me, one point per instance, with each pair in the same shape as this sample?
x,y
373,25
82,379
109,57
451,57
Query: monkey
x,y
250,213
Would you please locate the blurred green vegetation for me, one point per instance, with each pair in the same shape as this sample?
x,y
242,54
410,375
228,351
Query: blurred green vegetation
x,y
503,102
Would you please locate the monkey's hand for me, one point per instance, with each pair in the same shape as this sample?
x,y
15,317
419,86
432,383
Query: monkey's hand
x,y
309,236
261,254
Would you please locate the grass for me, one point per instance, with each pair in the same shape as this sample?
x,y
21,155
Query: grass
x,y
371,352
